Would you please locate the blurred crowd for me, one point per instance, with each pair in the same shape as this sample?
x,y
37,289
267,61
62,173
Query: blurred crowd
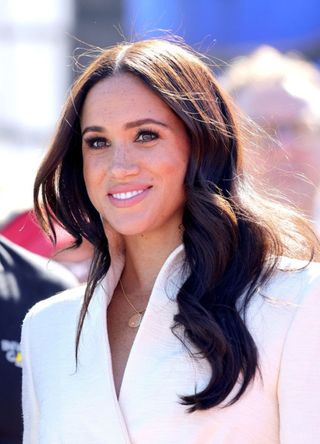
x,y
280,93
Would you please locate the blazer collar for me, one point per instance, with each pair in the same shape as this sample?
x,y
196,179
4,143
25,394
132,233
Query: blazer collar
x,y
166,280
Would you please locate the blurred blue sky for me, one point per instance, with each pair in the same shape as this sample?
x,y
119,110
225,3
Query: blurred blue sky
x,y
230,26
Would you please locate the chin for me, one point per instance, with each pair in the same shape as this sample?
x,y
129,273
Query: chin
x,y
131,229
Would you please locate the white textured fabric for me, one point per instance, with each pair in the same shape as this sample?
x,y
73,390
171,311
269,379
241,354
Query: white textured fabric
x,y
65,405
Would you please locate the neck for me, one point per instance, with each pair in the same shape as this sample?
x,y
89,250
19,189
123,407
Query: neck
x,y
145,256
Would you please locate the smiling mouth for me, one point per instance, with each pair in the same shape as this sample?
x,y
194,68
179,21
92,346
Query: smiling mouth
x,y
127,195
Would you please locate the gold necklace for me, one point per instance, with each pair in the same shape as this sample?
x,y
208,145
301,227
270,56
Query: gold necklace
x,y
136,319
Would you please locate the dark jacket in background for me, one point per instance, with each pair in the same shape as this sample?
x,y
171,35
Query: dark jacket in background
x,y
25,278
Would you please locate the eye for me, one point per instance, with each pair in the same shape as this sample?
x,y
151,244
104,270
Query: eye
x,y
146,136
97,142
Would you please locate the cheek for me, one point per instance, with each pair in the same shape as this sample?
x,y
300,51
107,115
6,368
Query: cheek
x,y
85,172
173,175
175,168
179,161
93,177
92,170
87,176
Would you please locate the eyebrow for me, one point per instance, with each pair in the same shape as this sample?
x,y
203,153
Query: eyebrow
x,y
129,125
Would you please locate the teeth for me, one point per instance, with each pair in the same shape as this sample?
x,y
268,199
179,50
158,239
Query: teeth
x,y
127,195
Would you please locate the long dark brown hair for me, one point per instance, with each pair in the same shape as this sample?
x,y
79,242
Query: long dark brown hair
x,y
232,236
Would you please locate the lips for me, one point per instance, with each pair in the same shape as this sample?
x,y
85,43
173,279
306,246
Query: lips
x,y
127,195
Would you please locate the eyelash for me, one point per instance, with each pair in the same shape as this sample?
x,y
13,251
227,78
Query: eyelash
x,y
154,134
90,141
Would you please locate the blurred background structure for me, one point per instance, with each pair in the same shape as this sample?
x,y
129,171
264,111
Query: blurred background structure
x,y
35,54
39,39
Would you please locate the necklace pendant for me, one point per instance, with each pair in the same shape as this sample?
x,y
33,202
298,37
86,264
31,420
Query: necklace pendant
x,y
135,320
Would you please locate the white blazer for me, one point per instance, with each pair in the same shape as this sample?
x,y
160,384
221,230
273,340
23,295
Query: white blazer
x,y
63,404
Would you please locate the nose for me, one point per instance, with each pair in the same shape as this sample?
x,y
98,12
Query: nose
x,y
123,163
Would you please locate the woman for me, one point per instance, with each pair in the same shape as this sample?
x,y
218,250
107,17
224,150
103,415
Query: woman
x,y
190,329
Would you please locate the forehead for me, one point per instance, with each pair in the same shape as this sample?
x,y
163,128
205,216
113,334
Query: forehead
x,y
123,96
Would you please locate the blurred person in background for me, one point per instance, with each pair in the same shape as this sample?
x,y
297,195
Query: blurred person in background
x,y
29,272
23,230
18,224
25,278
17,221
281,93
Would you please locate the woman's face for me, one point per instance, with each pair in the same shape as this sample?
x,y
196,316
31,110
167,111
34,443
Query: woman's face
x,y
135,154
